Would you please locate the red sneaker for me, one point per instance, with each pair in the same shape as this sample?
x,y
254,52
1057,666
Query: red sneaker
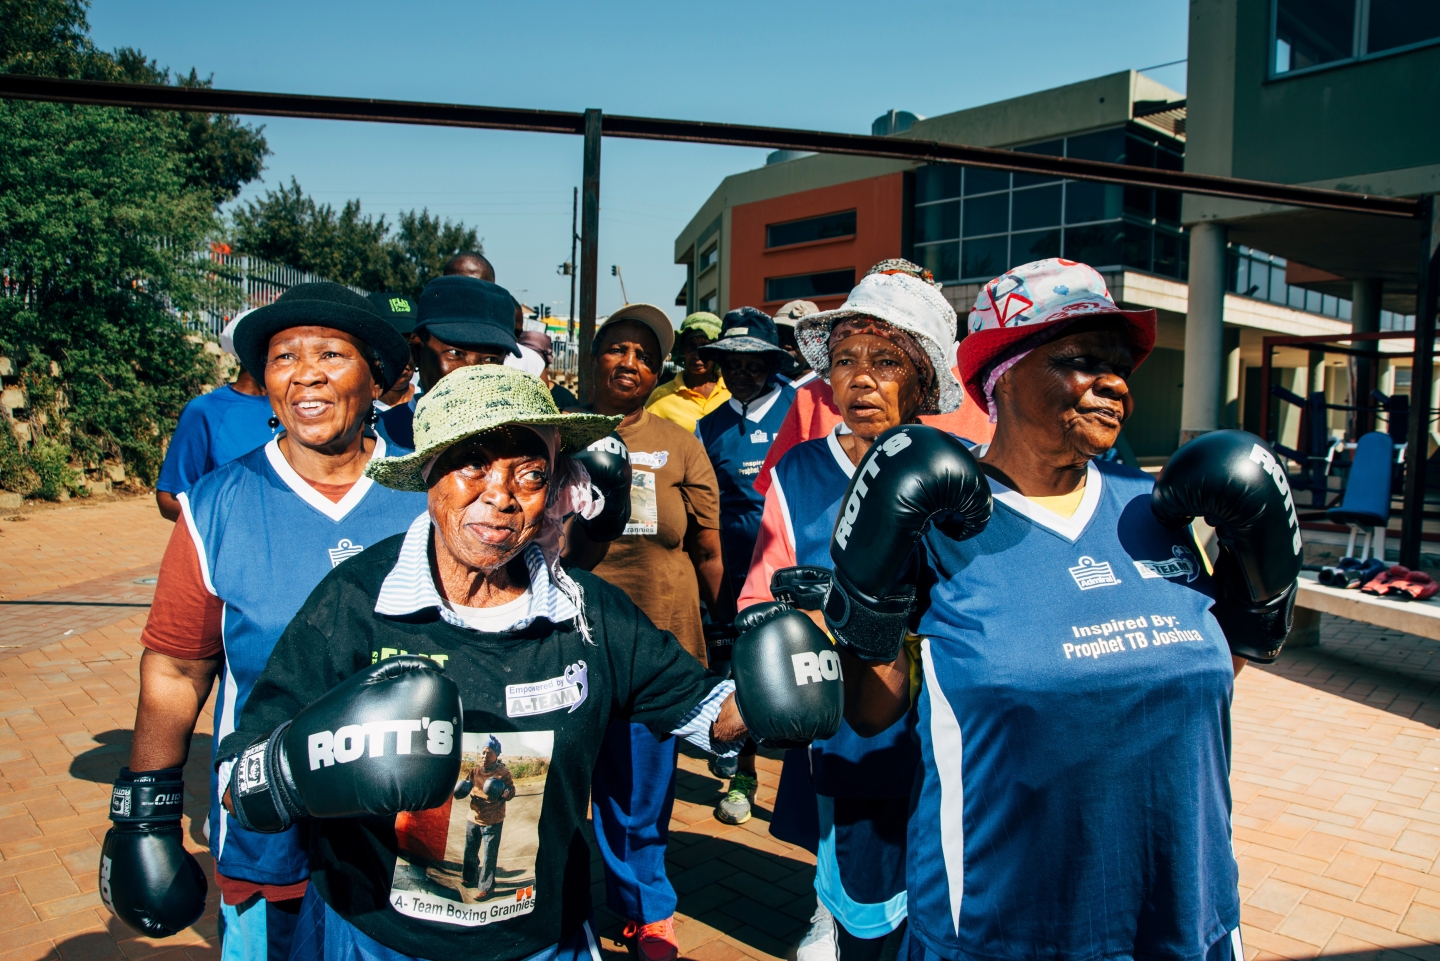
x,y
655,941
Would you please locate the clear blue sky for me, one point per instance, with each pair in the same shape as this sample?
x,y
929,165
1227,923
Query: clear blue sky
x,y
831,66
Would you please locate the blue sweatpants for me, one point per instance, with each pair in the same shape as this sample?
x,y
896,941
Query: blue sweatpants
x,y
323,935
633,792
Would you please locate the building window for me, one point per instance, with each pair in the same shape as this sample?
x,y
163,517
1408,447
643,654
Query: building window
x,y
708,302
1316,33
971,224
806,286
811,229
1254,273
709,257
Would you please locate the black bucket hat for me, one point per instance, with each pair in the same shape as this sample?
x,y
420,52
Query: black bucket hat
x,y
745,330
322,304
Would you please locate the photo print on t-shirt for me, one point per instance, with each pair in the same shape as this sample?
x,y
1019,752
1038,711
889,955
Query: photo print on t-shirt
x,y
644,504
471,861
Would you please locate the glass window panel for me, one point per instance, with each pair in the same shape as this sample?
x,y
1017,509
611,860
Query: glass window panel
x,y
1138,201
1139,153
1311,32
1037,207
1052,148
983,259
937,222
1242,276
1097,245
1086,201
1314,300
1167,206
1036,245
1135,246
1344,312
1397,23
1295,297
937,182
942,260
1167,254
981,180
1331,306
811,229
987,215
1279,293
1106,145
826,284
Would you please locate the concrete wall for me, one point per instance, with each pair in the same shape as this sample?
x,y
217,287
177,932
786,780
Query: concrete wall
x,y
1363,126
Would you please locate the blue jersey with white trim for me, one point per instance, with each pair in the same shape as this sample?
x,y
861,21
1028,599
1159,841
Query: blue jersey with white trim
x,y
737,445
1075,736
265,539
811,480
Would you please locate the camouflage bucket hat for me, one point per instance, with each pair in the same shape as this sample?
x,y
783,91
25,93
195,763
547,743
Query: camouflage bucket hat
x,y
473,400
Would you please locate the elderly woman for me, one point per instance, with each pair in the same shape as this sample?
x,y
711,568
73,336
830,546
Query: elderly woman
x,y
254,537
885,355
667,561
1078,657
544,661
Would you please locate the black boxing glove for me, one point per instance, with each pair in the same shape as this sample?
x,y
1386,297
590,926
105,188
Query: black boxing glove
x,y
788,684
608,463
383,741
1231,478
910,477
147,878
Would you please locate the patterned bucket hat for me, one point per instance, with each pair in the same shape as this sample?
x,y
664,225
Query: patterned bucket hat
x,y
898,293
473,400
1034,303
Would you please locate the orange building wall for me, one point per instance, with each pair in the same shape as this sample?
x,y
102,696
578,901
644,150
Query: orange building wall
x,y
878,204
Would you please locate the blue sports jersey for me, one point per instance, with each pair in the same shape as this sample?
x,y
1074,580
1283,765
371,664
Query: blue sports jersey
x,y
265,539
1075,732
213,430
810,482
737,439
398,423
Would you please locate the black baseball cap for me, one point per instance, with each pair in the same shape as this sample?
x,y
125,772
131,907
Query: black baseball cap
x,y
322,304
396,308
468,312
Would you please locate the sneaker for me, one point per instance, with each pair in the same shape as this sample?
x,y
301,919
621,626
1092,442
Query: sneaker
x,y
734,808
655,941
819,942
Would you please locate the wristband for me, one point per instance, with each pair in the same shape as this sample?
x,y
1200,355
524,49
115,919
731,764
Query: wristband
x,y
259,786
147,796
1256,632
873,629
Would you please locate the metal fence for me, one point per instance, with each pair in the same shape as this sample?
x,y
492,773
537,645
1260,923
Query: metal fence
x,y
259,282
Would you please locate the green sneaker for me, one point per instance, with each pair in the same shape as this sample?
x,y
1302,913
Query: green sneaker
x,y
734,808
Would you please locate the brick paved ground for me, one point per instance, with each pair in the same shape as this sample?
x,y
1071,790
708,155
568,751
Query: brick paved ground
x,y
1337,758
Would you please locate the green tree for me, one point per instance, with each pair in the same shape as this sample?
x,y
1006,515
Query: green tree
x,y
349,246
105,215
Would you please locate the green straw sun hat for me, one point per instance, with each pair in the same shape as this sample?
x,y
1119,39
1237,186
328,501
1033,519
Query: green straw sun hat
x,y
473,400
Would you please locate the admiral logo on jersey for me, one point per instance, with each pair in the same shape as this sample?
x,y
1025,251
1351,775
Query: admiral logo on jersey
x,y
1090,574
343,551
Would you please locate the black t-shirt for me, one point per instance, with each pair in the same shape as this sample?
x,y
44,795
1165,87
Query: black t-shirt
x,y
417,882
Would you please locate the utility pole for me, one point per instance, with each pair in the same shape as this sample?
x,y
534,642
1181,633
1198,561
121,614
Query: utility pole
x,y
574,238
615,272
589,252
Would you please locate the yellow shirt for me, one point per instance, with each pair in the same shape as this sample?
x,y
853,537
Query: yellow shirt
x,y
1063,504
680,405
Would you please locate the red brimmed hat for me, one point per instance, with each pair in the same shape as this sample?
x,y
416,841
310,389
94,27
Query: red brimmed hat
x,y
1022,302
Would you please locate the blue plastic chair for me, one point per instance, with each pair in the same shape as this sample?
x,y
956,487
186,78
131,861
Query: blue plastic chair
x,y
1367,493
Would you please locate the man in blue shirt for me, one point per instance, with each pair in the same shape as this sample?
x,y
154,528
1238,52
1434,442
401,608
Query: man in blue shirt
x,y
214,429
737,436
463,322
